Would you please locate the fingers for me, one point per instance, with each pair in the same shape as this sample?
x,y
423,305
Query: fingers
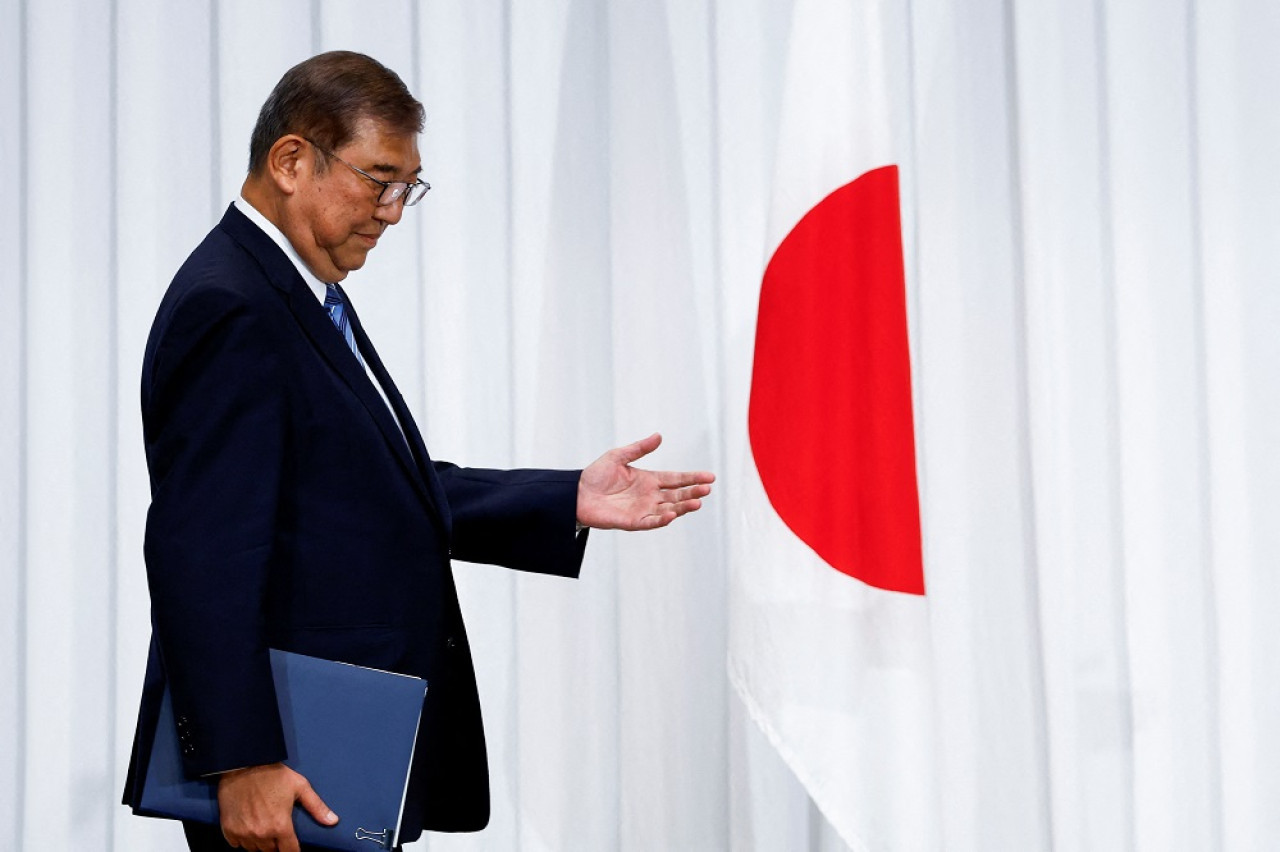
x,y
682,478
682,508
638,450
256,805
281,838
666,512
680,495
671,504
666,478
657,520
314,805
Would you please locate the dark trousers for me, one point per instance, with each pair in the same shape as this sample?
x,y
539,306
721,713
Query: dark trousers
x,y
208,838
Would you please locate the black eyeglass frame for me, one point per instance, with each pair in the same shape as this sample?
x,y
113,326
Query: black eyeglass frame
x,y
412,193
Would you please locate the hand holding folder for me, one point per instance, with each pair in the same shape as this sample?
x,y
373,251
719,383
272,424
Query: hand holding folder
x,y
350,731
255,796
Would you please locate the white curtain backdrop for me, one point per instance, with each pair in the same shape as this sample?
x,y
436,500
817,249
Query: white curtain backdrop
x,y
1091,200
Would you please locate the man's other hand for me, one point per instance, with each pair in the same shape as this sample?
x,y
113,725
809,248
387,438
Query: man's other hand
x,y
614,495
256,804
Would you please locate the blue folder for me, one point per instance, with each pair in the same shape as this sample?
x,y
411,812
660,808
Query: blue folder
x,y
350,730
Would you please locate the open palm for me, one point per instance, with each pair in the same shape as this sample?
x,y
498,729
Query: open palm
x,y
614,495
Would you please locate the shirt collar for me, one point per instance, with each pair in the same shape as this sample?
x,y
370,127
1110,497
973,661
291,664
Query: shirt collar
x,y
317,287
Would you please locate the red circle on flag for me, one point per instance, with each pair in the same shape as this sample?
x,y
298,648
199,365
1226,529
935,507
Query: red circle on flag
x,y
830,416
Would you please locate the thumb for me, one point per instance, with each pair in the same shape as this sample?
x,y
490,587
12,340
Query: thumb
x,y
638,450
315,806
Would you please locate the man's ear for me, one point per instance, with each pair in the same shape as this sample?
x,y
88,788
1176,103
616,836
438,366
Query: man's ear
x,y
288,161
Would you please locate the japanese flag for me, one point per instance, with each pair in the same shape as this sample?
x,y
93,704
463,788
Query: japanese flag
x,y
829,637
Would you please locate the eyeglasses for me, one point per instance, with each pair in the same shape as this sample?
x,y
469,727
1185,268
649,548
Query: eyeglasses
x,y
392,191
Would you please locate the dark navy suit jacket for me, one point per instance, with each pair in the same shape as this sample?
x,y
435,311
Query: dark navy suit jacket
x,y
288,511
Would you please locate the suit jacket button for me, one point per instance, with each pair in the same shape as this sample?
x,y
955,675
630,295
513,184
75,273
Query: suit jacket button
x,y
451,642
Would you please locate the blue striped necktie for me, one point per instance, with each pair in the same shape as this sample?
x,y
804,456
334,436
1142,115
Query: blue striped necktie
x,y
337,309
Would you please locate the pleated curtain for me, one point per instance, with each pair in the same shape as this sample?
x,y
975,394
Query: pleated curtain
x,y
1091,209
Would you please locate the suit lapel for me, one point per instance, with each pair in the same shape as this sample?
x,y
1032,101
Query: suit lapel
x,y
412,437
319,328
315,322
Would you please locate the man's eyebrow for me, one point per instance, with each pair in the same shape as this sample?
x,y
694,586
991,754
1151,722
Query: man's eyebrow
x,y
387,169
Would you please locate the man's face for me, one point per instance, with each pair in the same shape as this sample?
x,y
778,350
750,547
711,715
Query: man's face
x,y
336,218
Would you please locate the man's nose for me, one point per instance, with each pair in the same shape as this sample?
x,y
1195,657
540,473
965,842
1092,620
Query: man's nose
x,y
390,213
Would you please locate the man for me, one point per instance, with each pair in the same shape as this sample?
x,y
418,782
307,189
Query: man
x,y
294,504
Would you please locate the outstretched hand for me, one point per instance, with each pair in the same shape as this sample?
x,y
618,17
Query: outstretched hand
x,y
613,495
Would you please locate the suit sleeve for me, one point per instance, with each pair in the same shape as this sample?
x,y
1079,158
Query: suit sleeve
x,y
521,519
214,421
